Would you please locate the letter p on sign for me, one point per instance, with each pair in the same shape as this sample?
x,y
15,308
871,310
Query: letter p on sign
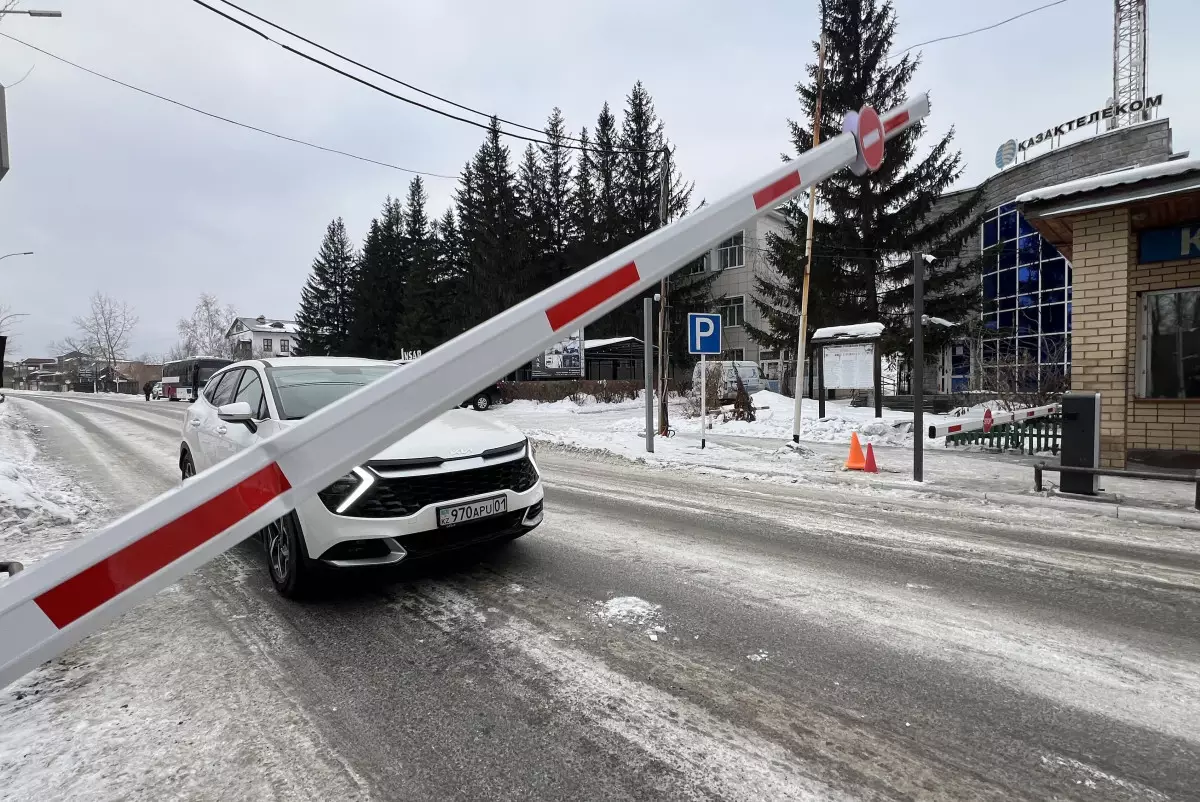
x,y
704,333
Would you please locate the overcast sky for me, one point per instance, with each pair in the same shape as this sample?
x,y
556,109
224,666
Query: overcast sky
x,y
154,205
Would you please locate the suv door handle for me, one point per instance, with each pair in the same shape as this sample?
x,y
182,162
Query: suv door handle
x,y
194,422
222,429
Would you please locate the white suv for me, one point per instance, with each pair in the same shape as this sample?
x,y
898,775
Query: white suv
x,y
459,480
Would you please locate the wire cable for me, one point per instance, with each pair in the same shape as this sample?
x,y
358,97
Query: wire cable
x,y
227,119
564,143
381,74
977,30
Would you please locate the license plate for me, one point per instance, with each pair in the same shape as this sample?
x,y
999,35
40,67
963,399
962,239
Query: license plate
x,y
472,511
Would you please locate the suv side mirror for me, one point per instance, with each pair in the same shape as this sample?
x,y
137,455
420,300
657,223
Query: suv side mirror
x,y
238,412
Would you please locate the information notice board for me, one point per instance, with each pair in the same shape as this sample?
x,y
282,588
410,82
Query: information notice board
x,y
849,367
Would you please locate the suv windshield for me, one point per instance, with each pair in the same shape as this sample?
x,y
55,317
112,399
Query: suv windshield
x,y
301,391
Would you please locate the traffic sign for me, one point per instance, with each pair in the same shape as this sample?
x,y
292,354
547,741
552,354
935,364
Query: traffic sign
x,y
987,421
704,333
870,137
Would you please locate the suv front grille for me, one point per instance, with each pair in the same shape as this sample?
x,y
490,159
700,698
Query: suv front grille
x,y
399,497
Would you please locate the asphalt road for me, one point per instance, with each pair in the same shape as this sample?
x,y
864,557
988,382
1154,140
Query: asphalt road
x,y
793,642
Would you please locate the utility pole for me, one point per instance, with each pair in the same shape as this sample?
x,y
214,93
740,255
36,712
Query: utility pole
x,y
664,211
808,249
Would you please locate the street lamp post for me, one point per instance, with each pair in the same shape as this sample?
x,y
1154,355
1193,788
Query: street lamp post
x,y
17,253
33,12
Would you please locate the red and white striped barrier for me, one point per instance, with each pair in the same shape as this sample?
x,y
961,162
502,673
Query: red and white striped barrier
x,y
998,418
56,603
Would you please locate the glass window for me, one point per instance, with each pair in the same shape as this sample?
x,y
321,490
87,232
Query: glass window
x,y
1007,207
731,252
1008,226
1008,303
1027,279
991,323
1171,341
697,267
1008,255
223,392
1027,320
1028,347
251,392
1054,273
989,351
1008,283
733,355
1054,318
1028,250
299,392
1007,320
1024,228
991,233
266,345
733,311
285,346
1054,349
1054,297
1049,251
990,285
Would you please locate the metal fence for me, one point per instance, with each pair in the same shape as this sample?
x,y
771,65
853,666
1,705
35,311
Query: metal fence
x,y
1036,436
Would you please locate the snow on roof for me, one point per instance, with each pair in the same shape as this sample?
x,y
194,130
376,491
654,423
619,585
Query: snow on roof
x,y
609,341
941,321
856,330
1113,179
267,325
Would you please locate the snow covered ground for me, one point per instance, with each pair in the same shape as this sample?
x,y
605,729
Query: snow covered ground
x,y
760,450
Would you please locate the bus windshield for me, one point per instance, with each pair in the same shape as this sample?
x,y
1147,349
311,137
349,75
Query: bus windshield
x,y
178,376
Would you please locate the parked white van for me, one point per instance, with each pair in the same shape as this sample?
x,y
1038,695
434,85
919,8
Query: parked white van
x,y
730,371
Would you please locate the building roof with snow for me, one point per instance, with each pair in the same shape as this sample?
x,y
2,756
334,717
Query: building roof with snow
x,y
1174,168
856,331
261,325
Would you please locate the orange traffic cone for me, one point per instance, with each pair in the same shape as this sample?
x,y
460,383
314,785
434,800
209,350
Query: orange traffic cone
x,y
855,461
871,467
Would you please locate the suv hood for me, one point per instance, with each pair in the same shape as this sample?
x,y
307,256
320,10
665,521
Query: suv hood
x,y
452,435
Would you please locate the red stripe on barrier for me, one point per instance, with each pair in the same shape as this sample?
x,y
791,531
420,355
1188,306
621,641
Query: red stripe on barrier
x,y
591,296
893,123
115,574
955,428
776,190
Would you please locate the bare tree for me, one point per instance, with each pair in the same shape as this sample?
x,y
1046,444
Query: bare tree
x,y
8,319
104,332
203,334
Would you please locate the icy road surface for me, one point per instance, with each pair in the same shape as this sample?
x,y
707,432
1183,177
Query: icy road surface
x,y
663,635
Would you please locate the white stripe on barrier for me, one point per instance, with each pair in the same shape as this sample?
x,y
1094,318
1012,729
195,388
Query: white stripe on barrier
x,y
88,584
998,418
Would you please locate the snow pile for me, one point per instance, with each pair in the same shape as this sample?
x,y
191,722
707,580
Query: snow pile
x,y
775,416
628,610
851,331
41,509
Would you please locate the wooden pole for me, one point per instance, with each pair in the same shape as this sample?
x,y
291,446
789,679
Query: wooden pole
x,y
664,209
808,248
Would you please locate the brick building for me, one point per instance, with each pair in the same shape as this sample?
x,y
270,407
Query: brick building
x,y
1133,239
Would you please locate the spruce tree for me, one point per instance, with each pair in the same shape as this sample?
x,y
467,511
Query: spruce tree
x,y
419,327
868,226
491,228
450,279
326,300
536,226
604,169
556,197
379,288
583,202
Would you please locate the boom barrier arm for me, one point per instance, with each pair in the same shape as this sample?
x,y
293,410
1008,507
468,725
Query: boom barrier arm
x,y
47,608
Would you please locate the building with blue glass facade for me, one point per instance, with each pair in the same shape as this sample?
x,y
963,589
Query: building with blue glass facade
x,y
1026,284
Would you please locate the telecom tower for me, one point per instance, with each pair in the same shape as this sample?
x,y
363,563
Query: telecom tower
x,y
1129,60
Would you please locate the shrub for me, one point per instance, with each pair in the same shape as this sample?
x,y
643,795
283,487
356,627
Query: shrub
x,y
605,391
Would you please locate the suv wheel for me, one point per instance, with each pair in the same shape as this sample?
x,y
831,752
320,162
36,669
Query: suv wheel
x,y
482,402
290,568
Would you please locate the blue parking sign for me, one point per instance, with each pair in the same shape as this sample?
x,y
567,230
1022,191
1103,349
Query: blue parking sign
x,y
704,333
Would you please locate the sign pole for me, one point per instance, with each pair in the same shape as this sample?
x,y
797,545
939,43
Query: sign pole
x,y
648,365
703,398
918,371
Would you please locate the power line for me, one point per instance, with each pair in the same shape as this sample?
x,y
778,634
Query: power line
x,y
565,143
381,74
976,30
226,119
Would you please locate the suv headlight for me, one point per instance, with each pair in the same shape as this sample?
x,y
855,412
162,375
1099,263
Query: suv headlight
x,y
342,494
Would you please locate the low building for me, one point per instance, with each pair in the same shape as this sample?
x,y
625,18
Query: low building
x,y
1133,240
740,258
261,336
